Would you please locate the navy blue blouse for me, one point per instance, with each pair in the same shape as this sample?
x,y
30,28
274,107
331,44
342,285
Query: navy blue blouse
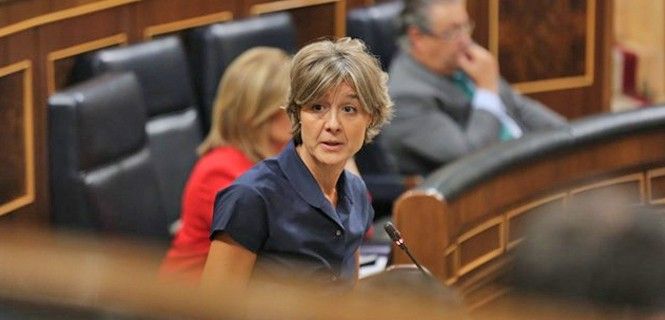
x,y
278,211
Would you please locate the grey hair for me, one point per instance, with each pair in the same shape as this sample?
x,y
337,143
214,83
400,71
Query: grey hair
x,y
416,13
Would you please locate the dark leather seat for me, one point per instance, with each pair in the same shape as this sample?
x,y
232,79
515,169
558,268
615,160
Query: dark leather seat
x,y
101,169
380,174
173,124
454,179
612,125
213,48
377,26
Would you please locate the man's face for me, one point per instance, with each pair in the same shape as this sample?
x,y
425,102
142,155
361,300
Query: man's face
x,y
448,38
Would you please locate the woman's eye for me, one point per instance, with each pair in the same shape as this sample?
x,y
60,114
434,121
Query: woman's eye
x,y
316,107
349,109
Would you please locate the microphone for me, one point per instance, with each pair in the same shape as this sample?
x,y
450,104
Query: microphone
x,y
396,237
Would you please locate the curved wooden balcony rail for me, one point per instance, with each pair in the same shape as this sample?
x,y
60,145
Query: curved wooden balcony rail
x,y
464,220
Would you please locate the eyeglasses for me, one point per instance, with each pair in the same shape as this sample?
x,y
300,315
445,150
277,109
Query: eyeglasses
x,y
453,33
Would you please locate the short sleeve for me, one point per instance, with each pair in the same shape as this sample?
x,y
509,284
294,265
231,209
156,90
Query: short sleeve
x,y
240,212
370,210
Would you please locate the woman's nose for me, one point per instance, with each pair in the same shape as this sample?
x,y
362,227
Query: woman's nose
x,y
332,120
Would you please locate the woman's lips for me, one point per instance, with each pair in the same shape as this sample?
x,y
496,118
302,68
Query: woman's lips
x,y
332,145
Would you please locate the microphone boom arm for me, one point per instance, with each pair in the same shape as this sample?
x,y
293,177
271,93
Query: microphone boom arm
x,y
396,237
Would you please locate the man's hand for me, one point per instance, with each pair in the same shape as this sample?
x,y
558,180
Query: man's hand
x,y
481,67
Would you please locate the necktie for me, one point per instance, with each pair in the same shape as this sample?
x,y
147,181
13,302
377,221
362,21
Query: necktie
x,y
462,81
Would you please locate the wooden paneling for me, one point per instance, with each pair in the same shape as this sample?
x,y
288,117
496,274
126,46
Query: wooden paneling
x,y
157,17
331,16
541,49
23,144
516,219
480,245
17,179
431,228
475,259
482,225
62,42
168,28
57,5
309,31
630,188
63,15
479,12
559,55
59,63
17,11
352,4
12,181
575,103
656,186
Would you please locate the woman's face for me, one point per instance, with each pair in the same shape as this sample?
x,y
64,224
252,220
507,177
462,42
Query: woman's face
x,y
333,127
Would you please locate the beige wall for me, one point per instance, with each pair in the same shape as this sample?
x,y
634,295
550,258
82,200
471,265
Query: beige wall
x,y
640,26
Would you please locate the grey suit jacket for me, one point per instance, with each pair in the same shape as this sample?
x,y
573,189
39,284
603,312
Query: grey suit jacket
x,y
435,124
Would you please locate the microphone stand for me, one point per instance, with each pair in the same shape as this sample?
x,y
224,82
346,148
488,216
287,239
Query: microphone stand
x,y
396,236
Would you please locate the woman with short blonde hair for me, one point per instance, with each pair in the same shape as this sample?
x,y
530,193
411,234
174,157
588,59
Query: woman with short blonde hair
x,y
249,94
248,125
301,214
319,68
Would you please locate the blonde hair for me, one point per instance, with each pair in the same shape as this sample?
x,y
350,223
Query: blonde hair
x,y
323,65
251,91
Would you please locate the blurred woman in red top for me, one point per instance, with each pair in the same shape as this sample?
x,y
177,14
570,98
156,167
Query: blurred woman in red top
x,y
248,125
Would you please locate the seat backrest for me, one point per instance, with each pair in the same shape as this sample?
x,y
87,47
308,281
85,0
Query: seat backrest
x,y
380,174
377,26
213,48
372,158
173,125
101,169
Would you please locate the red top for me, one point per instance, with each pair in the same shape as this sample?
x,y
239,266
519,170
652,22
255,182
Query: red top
x,y
213,172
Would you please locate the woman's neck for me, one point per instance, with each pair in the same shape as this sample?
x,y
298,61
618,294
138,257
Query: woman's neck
x,y
327,180
326,176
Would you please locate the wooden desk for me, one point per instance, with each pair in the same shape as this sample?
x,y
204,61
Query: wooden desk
x,y
463,222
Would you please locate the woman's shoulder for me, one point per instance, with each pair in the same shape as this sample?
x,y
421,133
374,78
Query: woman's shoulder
x,y
264,173
223,159
228,153
256,185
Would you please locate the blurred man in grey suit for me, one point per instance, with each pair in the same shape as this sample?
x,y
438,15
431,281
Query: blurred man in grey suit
x,y
449,96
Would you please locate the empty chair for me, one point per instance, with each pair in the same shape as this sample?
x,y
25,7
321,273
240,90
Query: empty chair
x,y
377,26
212,48
101,169
380,174
173,126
